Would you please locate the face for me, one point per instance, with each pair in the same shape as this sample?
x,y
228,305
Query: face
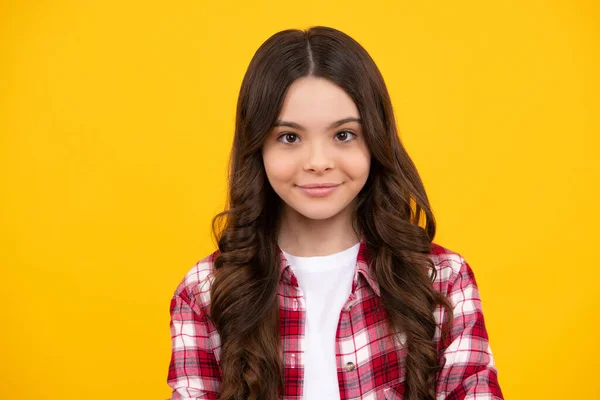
x,y
316,158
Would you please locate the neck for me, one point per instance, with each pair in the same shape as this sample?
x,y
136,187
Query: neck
x,y
305,237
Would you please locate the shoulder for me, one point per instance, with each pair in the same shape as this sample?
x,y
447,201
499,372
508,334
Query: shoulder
x,y
194,288
450,266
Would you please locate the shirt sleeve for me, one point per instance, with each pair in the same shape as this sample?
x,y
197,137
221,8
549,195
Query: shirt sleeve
x,y
468,370
194,373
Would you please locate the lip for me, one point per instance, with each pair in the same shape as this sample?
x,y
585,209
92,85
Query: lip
x,y
319,190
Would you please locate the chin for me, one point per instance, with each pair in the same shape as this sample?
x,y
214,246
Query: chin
x,y
317,213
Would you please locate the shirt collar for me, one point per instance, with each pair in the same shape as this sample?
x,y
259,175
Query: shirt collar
x,y
363,268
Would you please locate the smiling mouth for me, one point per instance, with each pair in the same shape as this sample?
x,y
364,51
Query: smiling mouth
x,y
318,191
318,185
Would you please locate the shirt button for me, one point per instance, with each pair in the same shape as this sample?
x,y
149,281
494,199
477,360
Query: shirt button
x,y
350,366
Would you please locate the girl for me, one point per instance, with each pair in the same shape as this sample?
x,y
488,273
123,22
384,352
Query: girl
x,y
325,285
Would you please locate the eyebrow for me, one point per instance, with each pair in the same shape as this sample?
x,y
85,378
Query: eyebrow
x,y
331,126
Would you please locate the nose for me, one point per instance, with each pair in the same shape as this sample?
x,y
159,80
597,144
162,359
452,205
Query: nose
x,y
319,158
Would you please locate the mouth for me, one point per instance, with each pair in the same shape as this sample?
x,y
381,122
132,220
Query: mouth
x,y
318,185
319,190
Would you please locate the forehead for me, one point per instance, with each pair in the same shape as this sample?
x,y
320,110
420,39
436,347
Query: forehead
x,y
316,102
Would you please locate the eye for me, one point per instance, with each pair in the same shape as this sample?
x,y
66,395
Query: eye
x,y
290,138
345,136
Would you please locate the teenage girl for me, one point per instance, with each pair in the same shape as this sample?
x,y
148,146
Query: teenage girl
x,y
326,283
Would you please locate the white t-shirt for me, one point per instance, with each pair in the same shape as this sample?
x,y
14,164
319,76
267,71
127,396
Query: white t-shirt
x,y
326,282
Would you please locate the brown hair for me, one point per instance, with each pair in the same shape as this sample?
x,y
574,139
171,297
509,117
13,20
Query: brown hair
x,y
244,303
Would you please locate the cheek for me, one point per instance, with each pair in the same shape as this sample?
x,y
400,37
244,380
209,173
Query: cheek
x,y
358,165
280,168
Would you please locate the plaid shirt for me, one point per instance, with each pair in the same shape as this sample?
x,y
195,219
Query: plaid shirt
x,y
370,364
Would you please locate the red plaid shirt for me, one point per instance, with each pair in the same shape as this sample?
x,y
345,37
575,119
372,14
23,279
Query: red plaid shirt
x,y
369,364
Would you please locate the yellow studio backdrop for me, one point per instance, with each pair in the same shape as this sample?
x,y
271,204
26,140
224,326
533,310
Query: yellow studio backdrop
x,y
116,121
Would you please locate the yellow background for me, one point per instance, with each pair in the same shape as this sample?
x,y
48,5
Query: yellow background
x,y
116,119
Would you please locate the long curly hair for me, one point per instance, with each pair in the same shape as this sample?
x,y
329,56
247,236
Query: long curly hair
x,y
389,212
